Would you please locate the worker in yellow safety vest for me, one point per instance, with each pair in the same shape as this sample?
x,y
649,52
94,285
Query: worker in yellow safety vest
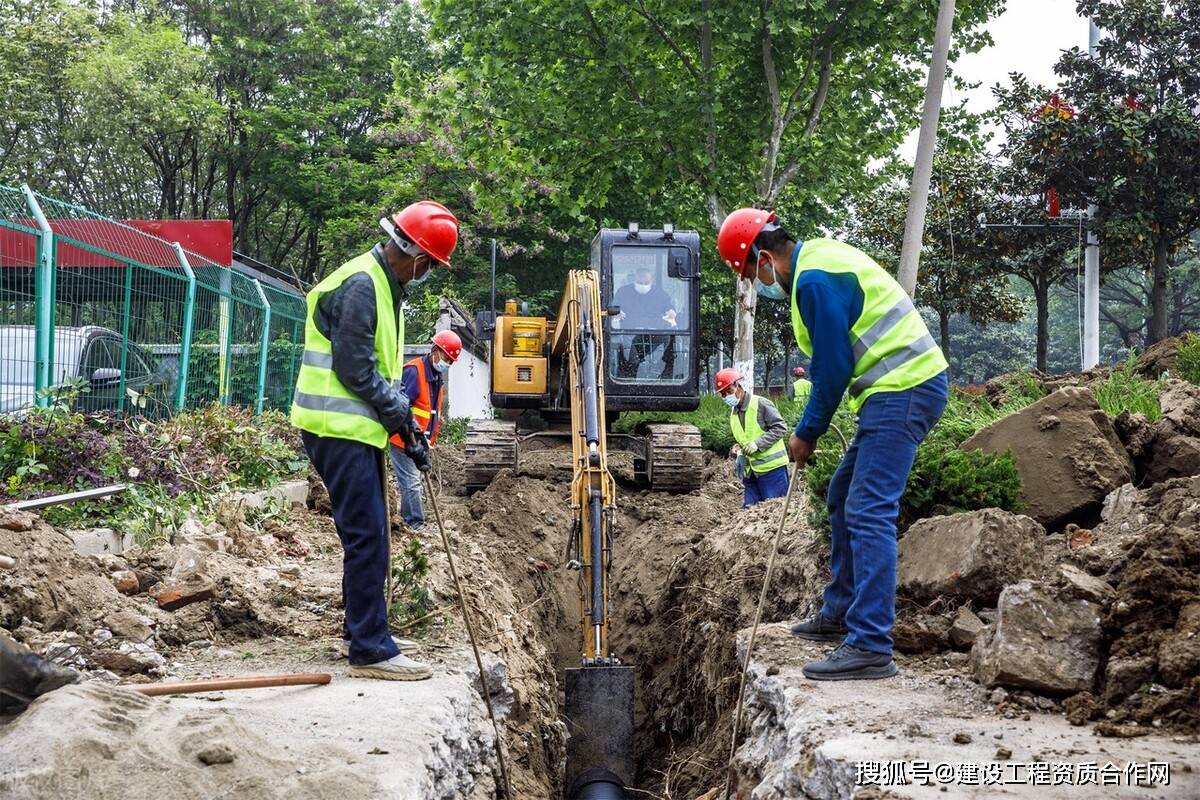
x,y
863,334
348,402
802,387
759,430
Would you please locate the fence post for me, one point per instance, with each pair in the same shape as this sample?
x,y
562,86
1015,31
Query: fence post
x,y
126,310
43,303
185,344
264,347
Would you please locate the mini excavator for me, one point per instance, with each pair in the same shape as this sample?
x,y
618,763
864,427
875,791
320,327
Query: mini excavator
x,y
624,339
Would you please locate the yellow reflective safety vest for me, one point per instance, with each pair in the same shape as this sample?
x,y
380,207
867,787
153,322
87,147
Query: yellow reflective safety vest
x,y
893,350
322,404
763,461
801,390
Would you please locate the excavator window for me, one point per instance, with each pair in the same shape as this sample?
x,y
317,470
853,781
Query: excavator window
x,y
649,338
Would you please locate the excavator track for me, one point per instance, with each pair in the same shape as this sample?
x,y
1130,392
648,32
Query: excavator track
x,y
490,445
675,459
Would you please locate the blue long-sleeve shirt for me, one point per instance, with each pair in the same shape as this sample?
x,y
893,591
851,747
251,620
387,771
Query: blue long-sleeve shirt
x,y
829,302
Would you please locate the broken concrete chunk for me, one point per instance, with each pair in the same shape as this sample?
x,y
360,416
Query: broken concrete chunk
x,y
973,554
1039,642
129,625
1124,676
1077,583
178,595
1066,467
919,633
965,628
126,581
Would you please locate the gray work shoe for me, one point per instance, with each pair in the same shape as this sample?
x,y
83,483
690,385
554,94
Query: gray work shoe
x,y
849,663
396,668
404,645
820,628
25,676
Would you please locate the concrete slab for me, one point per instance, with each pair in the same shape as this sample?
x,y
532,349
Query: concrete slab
x,y
810,739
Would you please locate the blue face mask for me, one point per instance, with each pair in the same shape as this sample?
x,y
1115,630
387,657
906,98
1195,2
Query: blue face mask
x,y
771,291
423,278
442,366
730,400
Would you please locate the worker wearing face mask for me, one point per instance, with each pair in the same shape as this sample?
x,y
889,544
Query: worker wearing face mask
x,y
865,336
645,307
759,430
347,403
423,383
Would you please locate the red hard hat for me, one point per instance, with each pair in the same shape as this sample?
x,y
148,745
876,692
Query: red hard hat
x,y
726,378
738,232
798,371
449,343
428,225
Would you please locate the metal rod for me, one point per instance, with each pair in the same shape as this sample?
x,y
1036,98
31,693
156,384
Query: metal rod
x,y
70,497
918,196
462,607
265,346
185,345
762,599
224,684
493,284
1091,261
43,299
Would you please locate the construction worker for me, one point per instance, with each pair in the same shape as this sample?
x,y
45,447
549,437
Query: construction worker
x,y
802,387
422,383
862,332
759,430
347,403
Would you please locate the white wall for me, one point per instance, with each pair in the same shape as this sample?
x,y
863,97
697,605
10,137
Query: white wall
x,y
470,388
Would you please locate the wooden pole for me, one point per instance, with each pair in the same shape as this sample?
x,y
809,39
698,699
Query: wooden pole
x,y
224,684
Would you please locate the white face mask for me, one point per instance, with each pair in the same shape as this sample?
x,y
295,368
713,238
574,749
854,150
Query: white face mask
x,y
424,277
642,288
442,366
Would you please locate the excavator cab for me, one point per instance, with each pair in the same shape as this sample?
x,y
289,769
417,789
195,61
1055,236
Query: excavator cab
x,y
648,327
650,283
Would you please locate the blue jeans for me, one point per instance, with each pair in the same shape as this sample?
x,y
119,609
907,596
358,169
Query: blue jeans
x,y
864,501
767,486
408,477
352,473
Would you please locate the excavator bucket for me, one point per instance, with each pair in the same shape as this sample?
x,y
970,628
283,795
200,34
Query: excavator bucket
x,y
599,717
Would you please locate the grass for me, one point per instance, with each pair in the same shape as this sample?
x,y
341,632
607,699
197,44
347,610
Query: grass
x,y
1187,360
1125,390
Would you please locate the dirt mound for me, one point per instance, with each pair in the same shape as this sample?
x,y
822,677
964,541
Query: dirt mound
x,y
1067,453
115,735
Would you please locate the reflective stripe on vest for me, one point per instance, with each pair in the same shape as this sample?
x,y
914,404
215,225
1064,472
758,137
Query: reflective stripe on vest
x,y
423,406
763,461
321,403
892,348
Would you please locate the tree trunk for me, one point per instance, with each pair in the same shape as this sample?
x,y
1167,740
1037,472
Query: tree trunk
x,y
743,331
1041,296
1158,292
944,326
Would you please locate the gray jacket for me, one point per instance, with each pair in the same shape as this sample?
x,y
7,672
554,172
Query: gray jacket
x,y
769,419
346,316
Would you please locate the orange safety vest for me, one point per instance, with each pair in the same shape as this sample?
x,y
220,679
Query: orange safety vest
x,y
426,410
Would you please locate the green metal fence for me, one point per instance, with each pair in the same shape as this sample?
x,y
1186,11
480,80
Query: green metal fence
x,y
114,318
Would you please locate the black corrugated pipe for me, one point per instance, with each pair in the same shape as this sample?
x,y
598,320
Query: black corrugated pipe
x,y
597,784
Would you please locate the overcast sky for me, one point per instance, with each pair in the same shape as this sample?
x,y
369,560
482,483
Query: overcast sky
x,y
1029,37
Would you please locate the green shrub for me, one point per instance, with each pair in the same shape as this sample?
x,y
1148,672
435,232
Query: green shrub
x,y
409,600
1187,360
454,431
946,481
1126,390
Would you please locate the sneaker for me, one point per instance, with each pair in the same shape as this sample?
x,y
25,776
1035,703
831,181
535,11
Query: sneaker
x,y
404,645
820,628
396,668
849,663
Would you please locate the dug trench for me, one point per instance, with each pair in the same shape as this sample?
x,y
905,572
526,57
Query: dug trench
x,y
686,574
